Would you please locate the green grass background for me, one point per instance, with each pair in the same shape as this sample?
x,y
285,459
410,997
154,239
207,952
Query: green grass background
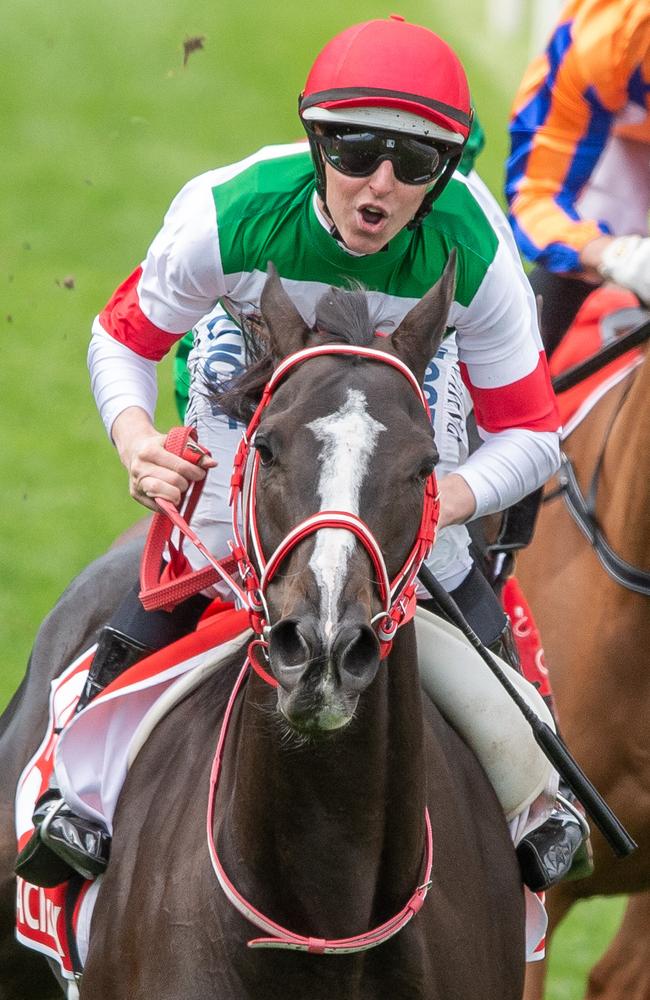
x,y
100,125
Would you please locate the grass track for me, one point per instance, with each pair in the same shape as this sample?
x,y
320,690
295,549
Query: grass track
x,y
100,124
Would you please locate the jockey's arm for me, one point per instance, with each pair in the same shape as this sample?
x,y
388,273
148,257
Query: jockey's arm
x,y
457,502
563,115
145,317
504,368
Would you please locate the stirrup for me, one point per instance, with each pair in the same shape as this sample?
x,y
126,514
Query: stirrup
x,y
582,865
554,850
37,864
61,845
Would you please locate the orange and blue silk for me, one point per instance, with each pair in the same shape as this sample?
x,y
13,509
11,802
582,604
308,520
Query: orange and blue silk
x,y
596,64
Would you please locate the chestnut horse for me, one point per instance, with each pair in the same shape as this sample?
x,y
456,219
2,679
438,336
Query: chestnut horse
x,y
596,635
327,780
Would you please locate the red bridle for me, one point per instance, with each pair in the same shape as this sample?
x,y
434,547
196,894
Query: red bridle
x,y
397,595
398,604
398,600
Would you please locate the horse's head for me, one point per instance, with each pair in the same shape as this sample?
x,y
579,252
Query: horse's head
x,y
342,433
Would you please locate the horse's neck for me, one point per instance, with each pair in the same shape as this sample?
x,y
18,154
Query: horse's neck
x,y
625,481
331,834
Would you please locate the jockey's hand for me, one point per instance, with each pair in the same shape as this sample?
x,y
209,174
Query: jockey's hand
x,y
457,502
153,471
625,260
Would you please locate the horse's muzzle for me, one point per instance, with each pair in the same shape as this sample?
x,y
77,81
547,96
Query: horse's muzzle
x,y
321,678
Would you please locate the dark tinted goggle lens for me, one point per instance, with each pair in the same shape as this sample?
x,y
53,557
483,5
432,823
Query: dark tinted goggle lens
x,y
358,154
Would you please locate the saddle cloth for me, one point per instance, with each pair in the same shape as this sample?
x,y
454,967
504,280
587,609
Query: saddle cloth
x,y
584,338
92,755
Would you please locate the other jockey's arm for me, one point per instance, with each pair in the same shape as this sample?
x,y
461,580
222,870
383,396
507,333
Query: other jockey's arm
x,y
563,116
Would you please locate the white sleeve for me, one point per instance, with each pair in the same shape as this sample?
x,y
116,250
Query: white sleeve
x,y
181,275
119,377
499,346
508,466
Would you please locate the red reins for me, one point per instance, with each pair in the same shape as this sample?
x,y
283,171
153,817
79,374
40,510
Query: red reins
x,y
397,597
280,937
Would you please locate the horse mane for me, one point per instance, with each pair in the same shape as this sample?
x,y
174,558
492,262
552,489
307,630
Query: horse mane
x,y
342,316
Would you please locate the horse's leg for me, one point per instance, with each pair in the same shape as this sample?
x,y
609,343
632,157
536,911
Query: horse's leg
x,y
558,903
624,969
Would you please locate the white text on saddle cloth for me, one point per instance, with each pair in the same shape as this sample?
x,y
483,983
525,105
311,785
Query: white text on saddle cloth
x,y
40,913
40,917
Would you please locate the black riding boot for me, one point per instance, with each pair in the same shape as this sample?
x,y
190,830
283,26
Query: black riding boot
x,y
63,843
559,848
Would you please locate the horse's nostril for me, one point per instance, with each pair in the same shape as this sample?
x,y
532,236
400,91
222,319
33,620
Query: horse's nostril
x,y
287,645
356,652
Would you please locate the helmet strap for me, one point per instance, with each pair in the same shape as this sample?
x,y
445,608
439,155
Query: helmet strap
x,y
321,185
435,192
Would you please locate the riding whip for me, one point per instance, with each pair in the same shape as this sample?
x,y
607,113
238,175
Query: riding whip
x,y
551,744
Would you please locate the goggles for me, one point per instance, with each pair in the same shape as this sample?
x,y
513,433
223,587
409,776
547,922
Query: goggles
x,y
358,153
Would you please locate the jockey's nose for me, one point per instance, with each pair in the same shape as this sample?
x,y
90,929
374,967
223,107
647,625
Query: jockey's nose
x,y
383,179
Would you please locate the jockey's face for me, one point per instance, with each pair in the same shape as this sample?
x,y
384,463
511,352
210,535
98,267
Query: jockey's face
x,y
369,211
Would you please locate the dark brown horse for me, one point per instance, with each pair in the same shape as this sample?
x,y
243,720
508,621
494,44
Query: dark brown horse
x,y
320,810
596,635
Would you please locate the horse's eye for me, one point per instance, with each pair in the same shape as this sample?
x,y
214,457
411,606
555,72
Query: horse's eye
x,y
263,450
426,469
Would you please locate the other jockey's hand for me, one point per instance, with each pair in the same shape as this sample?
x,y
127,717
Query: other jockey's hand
x,y
457,502
625,260
153,471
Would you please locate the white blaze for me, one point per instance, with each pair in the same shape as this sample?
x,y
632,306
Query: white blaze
x,y
348,438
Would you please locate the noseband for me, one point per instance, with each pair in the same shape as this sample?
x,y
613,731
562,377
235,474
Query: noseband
x,y
397,595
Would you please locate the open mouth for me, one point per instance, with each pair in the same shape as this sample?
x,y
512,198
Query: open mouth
x,y
372,216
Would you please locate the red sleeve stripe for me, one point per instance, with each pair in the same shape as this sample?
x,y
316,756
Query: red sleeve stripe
x,y
124,320
528,403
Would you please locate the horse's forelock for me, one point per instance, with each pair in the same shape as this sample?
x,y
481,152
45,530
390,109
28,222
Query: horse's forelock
x,y
344,314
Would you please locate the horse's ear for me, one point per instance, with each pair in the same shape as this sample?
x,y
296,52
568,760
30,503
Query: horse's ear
x,y
287,330
420,333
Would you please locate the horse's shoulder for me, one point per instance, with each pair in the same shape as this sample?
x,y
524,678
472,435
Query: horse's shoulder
x,y
184,740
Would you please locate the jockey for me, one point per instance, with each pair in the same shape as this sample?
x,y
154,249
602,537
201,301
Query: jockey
x,y
372,197
578,175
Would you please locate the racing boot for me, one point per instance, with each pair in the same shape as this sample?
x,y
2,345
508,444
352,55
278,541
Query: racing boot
x,y
114,654
63,843
561,847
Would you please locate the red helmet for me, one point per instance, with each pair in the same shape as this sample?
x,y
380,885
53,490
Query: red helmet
x,y
407,73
